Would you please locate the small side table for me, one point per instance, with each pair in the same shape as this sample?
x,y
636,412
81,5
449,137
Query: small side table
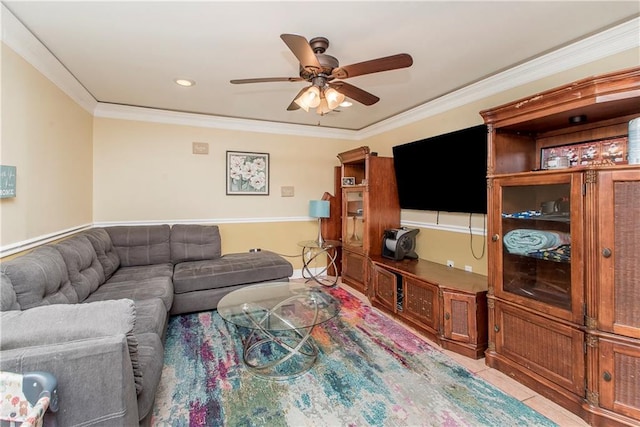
x,y
311,249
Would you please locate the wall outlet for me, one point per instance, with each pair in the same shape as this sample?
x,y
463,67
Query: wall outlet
x,y
468,268
449,263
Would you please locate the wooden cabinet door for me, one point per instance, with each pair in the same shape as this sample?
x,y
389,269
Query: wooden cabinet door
x,y
619,381
421,303
618,252
537,259
460,316
354,269
551,349
384,288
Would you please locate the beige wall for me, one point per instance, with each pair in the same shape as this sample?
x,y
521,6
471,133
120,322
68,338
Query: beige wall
x,y
48,137
74,169
147,172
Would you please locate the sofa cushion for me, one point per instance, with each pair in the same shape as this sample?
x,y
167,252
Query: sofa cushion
x,y
8,298
141,244
193,242
85,271
229,270
40,278
140,272
206,299
153,287
105,251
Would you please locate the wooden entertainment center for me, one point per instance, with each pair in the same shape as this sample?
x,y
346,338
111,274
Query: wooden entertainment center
x,y
446,304
564,317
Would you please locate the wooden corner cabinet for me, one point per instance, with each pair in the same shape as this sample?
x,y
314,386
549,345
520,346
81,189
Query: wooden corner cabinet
x,y
564,252
448,305
369,206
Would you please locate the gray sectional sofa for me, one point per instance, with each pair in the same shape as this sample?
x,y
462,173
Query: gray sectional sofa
x,y
93,310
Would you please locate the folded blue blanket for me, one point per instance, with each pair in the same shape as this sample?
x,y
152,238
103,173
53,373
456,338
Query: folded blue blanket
x,y
522,241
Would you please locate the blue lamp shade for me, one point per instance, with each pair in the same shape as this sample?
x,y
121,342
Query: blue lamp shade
x,y
319,208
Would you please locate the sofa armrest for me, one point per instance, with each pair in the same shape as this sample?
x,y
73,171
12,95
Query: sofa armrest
x,y
60,323
95,378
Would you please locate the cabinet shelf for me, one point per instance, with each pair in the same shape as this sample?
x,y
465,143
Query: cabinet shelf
x,y
559,258
549,295
540,217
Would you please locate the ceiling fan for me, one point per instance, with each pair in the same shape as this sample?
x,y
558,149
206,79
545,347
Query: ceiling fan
x,y
324,73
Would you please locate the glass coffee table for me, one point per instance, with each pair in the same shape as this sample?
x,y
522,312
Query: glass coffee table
x,y
278,318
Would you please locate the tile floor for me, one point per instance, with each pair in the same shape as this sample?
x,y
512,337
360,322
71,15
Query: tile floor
x,y
549,409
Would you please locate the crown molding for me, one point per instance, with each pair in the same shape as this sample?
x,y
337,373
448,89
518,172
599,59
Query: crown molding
x,y
24,43
607,43
125,112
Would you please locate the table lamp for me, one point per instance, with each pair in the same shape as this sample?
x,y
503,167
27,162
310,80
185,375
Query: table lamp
x,y
319,209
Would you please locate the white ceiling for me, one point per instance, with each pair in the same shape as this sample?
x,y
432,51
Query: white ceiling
x,y
129,52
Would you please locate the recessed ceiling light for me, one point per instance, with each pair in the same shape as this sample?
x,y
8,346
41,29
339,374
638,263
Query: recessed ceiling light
x,y
185,82
346,104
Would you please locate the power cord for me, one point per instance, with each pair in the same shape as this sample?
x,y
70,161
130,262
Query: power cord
x,y
484,238
283,255
289,256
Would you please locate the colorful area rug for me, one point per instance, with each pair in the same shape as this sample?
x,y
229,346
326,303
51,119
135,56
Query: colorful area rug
x,y
371,371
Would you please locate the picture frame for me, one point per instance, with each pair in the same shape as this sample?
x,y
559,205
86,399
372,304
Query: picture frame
x,y
7,181
247,173
348,180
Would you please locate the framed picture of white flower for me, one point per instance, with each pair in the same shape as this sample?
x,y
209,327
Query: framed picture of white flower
x,y
247,173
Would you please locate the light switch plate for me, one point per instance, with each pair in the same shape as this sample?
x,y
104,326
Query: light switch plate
x,y
286,191
200,148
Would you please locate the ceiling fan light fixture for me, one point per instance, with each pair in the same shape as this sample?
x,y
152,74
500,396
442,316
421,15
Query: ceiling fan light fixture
x,y
323,108
309,98
321,70
333,97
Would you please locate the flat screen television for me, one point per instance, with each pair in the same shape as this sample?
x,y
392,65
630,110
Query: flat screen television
x,y
444,173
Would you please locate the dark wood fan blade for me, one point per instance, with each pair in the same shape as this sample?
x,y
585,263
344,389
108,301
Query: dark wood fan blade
x,y
301,49
293,106
355,93
402,60
267,79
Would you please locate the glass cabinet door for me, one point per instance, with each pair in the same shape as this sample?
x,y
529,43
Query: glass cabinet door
x,y
353,219
540,225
